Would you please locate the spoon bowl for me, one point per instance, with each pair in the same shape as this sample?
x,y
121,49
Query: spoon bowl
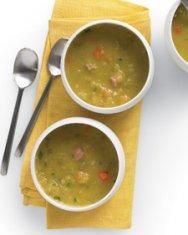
x,y
54,61
25,67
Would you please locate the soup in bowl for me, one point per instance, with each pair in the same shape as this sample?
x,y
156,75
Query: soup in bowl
x,y
77,164
180,31
176,33
107,66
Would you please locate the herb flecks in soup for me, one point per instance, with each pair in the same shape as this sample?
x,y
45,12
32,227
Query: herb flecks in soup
x,y
106,65
180,31
77,164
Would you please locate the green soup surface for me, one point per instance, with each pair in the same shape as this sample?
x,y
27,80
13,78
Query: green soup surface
x,y
180,31
77,164
106,65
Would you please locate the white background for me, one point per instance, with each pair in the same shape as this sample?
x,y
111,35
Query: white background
x,y
161,189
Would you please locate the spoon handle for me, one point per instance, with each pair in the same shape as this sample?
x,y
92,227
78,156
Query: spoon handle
x,y
8,147
23,141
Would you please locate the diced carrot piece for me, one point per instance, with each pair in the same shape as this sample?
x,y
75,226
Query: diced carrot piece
x,y
177,29
104,176
98,53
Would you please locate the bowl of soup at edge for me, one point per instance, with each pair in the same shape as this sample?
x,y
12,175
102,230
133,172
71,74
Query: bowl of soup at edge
x,y
176,34
77,164
107,66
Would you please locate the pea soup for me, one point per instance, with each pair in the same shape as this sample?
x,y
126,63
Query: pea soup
x,y
180,31
106,65
77,164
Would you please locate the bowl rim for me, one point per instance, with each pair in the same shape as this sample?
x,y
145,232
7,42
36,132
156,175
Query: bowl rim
x,y
183,64
125,106
120,154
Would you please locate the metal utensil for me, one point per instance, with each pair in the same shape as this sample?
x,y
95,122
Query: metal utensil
x,y
54,62
25,70
185,3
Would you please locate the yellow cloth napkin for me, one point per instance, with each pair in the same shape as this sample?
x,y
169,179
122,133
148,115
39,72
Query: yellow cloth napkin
x,y
67,16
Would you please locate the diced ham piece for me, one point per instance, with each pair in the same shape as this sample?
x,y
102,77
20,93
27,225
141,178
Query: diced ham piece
x,y
78,154
82,177
90,66
116,79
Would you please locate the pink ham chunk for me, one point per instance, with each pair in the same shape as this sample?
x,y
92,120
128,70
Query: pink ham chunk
x,y
116,79
78,154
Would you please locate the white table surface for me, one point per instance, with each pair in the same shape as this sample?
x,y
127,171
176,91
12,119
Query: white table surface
x,y
161,189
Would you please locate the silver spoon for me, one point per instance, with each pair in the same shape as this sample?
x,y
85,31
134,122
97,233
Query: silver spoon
x,y
185,3
54,62
25,70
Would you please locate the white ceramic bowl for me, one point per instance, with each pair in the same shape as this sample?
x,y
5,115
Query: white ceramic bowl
x,y
115,141
183,64
122,107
